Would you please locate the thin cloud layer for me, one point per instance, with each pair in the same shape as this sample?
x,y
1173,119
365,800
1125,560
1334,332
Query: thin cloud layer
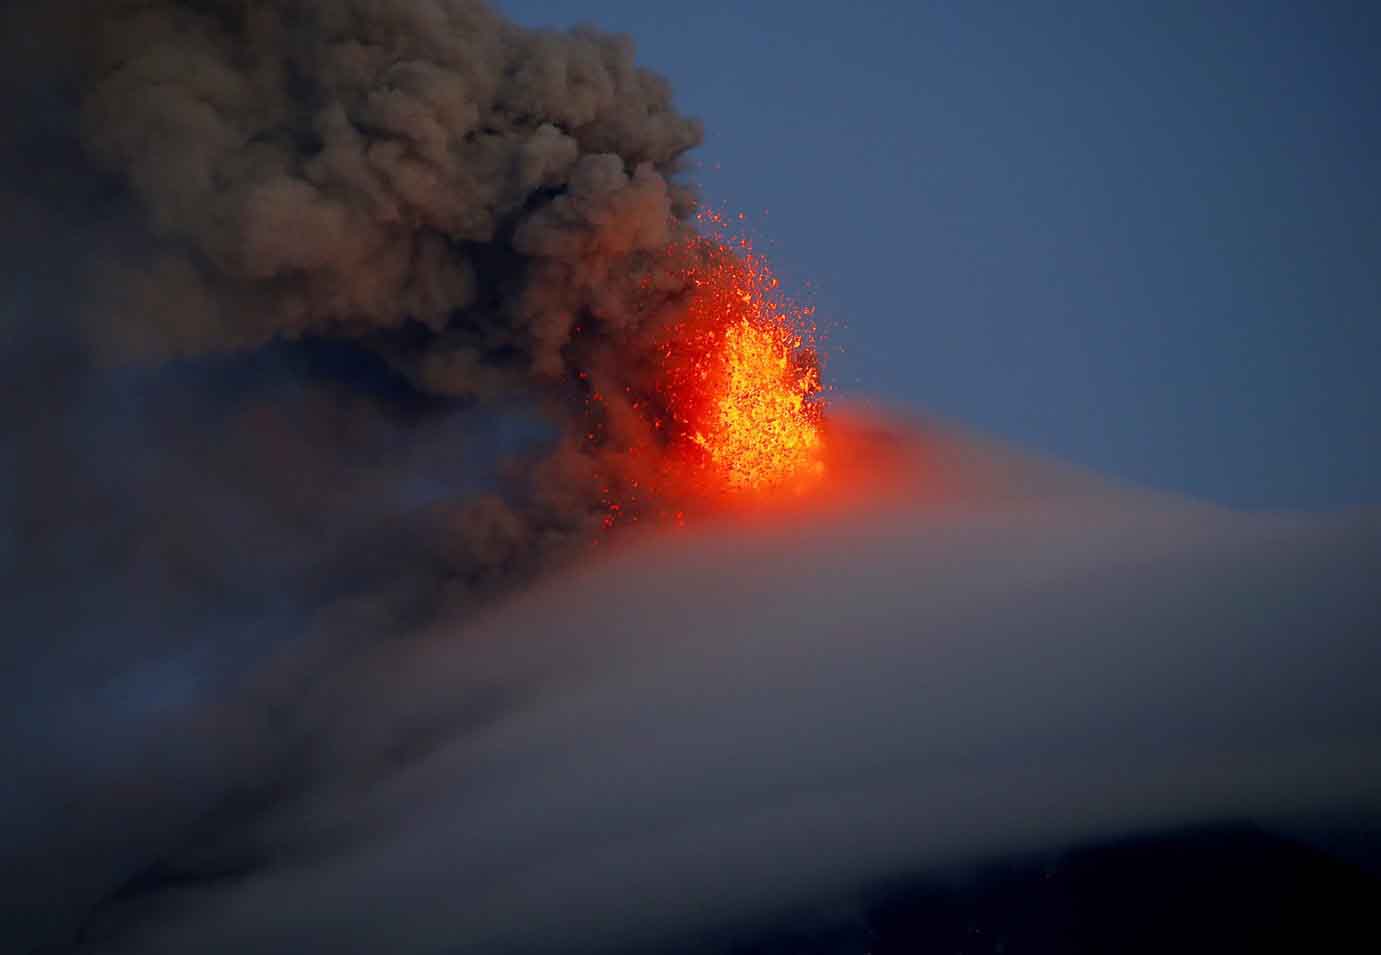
x,y
712,727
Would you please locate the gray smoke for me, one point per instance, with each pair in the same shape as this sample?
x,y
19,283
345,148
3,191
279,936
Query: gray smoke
x,y
208,197
488,212
305,167
290,309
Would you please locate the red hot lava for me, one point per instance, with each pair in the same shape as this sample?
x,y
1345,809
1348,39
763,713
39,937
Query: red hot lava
x,y
733,399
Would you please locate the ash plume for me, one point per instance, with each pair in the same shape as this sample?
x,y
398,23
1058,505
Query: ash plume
x,y
303,303
311,168
487,212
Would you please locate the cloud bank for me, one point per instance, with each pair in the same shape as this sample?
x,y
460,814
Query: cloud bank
x,y
712,726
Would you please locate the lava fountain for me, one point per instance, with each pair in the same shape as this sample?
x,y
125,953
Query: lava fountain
x,y
741,379
721,407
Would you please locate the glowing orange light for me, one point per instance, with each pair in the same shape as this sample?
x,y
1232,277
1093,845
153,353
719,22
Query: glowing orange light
x,y
743,377
761,432
722,407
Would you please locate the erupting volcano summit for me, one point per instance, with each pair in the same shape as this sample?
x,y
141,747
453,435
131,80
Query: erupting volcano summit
x,y
743,377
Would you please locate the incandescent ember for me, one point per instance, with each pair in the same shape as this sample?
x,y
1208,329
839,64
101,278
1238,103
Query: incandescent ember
x,y
742,380
730,396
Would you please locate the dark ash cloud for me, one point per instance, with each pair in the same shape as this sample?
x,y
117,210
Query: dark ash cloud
x,y
342,169
286,283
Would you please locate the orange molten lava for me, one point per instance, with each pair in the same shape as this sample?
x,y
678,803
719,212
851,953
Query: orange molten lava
x,y
743,377
761,432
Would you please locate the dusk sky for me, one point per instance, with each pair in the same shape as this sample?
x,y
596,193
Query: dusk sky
x,y
1143,241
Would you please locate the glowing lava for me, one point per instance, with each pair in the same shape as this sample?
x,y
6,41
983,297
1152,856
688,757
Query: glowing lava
x,y
761,431
720,407
743,379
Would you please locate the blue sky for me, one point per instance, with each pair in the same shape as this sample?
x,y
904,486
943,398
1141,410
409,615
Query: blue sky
x,y
1148,242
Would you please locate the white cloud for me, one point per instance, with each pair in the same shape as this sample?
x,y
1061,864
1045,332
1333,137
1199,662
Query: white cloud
x,y
719,722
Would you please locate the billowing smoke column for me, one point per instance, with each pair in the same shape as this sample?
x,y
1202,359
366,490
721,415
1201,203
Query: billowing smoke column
x,y
489,209
208,197
268,259
422,177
